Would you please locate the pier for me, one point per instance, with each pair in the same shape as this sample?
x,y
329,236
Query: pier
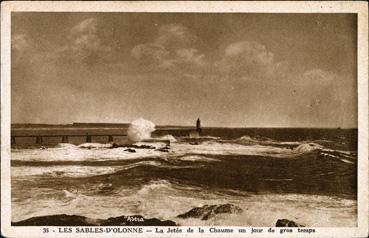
x,y
65,138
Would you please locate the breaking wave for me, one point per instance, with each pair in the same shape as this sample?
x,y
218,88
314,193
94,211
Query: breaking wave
x,y
308,147
169,138
140,129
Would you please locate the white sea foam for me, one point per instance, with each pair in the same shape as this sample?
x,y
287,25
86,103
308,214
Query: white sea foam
x,y
94,145
308,147
101,152
168,137
62,171
74,153
337,157
69,194
197,158
347,161
67,152
215,148
80,171
249,139
66,146
309,210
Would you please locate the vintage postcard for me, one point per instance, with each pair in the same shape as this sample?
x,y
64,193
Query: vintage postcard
x,y
184,119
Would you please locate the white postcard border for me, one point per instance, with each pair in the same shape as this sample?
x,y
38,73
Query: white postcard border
x,y
361,8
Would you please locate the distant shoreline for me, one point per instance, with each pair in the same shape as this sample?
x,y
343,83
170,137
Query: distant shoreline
x,y
126,125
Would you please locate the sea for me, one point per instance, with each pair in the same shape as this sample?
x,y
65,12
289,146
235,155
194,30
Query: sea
x,y
302,174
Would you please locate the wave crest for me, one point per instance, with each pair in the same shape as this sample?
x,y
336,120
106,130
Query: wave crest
x,y
168,137
308,147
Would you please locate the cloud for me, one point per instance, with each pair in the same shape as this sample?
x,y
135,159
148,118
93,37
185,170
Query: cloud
x,y
317,91
316,84
85,45
318,76
150,56
191,55
20,46
20,42
88,26
173,51
175,36
249,59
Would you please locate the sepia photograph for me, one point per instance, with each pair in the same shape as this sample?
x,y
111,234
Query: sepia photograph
x,y
217,119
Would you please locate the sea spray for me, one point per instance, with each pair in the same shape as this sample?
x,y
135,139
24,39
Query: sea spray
x,y
169,138
140,129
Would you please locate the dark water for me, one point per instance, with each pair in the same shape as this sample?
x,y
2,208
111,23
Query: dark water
x,y
304,166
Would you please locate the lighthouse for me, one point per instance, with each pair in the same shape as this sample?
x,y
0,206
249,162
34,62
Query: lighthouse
x,y
197,133
198,126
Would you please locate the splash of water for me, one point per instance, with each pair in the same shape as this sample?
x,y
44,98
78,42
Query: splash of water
x,y
140,129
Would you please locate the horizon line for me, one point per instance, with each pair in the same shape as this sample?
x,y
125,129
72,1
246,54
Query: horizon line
x,y
230,127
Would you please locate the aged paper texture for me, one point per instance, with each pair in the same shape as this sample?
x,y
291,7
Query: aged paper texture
x,y
184,119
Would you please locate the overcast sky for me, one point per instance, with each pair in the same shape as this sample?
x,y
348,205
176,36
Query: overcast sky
x,y
256,70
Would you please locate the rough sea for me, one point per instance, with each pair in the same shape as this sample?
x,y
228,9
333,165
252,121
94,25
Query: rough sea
x,y
305,175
